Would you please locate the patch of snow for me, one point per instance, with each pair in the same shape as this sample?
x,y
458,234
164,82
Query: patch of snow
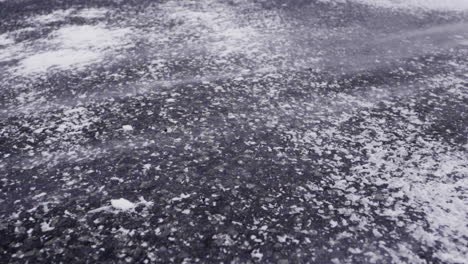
x,y
100,209
45,227
89,37
123,204
60,59
91,13
180,198
70,47
61,15
430,173
145,203
224,239
463,42
5,40
236,40
257,254
127,128
39,195
55,16
219,27
445,5
117,179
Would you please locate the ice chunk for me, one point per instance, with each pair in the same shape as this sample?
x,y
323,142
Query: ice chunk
x,y
122,204
257,254
127,128
45,227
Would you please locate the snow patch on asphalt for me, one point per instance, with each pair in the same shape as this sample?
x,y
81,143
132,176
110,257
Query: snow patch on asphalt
x,y
89,37
55,16
70,47
63,14
45,227
445,5
463,42
5,40
60,59
73,47
127,128
222,34
92,13
123,204
431,173
425,173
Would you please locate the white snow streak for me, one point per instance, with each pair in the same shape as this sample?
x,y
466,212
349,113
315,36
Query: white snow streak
x,y
61,59
445,5
5,40
73,47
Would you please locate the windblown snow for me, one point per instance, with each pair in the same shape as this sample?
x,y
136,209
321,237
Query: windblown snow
x,y
68,47
74,47
444,5
5,40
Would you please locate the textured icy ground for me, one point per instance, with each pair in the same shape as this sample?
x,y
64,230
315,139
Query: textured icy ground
x,y
234,131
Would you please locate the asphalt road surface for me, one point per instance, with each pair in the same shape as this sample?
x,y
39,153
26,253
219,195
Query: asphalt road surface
x,y
242,131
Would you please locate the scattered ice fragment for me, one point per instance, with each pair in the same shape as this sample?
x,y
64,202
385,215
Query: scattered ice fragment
x,y
180,198
117,179
45,227
223,239
100,209
127,128
282,239
39,195
39,130
355,250
335,261
376,232
144,202
122,204
90,13
257,254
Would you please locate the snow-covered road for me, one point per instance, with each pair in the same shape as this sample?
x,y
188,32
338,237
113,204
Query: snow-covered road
x,y
241,131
